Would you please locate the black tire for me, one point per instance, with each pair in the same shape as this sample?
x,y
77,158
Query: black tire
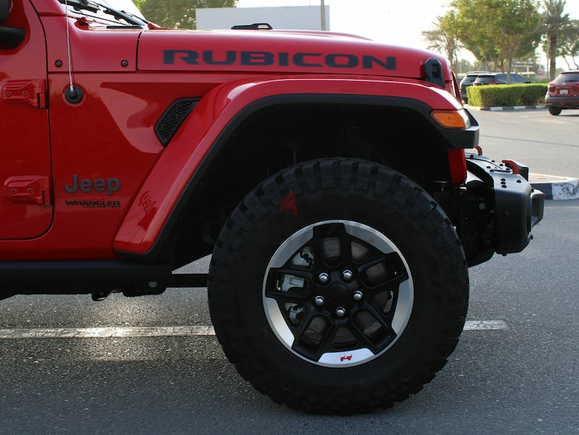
x,y
346,352
554,110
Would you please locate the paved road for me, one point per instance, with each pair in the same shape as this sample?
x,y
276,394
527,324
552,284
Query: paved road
x,y
547,144
519,378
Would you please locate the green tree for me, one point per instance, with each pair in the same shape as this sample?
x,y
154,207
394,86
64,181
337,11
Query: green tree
x,y
442,39
558,31
471,21
519,25
498,31
178,13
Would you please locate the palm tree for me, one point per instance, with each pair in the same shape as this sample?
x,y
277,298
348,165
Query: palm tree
x,y
557,28
442,39
570,48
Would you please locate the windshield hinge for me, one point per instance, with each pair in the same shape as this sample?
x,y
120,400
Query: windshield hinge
x,y
31,92
434,72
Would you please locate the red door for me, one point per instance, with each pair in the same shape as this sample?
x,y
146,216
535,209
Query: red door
x,y
25,182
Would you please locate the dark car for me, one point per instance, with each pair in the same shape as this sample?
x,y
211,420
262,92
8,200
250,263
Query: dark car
x,y
467,81
563,92
499,79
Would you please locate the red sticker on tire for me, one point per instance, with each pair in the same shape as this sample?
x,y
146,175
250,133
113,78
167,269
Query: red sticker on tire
x,y
289,204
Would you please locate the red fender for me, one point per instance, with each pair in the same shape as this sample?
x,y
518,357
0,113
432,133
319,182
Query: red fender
x,y
167,181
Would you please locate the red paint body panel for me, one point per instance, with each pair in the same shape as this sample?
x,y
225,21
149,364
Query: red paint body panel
x,y
24,141
93,48
277,52
113,184
109,135
143,223
44,7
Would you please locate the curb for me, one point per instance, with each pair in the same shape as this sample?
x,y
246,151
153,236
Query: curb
x,y
506,108
554,187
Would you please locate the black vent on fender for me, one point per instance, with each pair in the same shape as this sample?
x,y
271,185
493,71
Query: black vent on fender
x,y
173,117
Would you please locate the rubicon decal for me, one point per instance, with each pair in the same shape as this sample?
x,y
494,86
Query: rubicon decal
x,y
279,59
99,185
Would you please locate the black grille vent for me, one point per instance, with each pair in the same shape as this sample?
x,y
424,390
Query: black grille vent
x,y
173,117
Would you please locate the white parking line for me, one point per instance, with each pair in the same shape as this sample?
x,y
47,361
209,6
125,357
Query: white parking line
x,y
485,325
108,332
169,331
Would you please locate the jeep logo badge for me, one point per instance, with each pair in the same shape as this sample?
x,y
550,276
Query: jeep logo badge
x,y
100,185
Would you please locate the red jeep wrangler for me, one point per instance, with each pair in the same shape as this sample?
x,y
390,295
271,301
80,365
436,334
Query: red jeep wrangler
x,y
325,173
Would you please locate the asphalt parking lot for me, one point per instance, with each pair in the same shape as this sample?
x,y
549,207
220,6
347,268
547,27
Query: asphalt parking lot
x,y
547,144
544,142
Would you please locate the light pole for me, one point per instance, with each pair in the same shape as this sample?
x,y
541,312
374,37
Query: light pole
x,y
323,14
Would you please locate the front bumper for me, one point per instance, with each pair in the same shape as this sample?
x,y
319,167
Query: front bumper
x,y
513,203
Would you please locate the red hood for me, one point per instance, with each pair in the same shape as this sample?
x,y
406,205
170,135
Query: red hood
x,y
270,51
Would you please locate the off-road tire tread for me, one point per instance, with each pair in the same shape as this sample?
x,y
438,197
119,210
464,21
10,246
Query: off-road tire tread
x,y
243,351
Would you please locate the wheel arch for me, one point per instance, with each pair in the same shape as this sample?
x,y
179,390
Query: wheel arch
x,y
404,123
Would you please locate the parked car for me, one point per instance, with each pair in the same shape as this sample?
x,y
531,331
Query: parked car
x,y
499,79
467,81
563,92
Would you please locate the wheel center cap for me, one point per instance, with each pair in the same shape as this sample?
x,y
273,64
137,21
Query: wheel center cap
x,y
338,293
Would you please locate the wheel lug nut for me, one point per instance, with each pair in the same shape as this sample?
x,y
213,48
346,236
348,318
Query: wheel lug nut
x,y
340,312
358,295
347,274
319,300
324,277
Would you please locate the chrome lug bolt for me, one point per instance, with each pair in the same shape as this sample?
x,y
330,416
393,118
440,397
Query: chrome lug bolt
x,y
358,295
324,277
319,300
347,274
340,312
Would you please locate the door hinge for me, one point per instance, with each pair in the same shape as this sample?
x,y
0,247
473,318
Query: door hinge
x,y
28,188
31,92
